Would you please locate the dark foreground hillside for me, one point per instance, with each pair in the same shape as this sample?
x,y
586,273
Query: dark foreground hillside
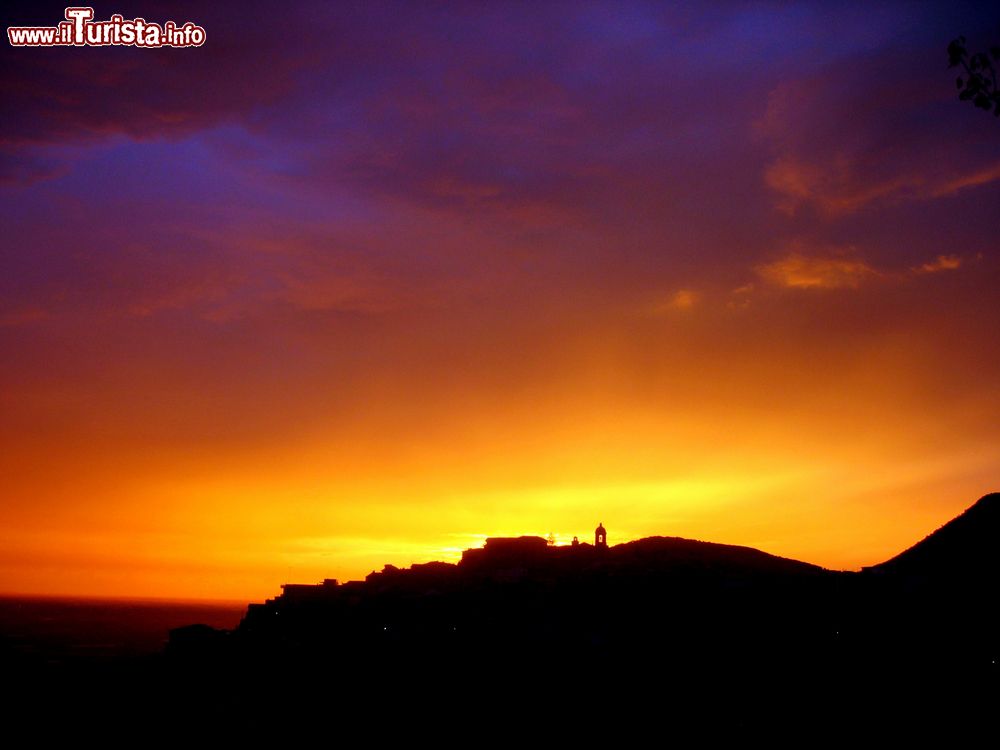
x,y
663,633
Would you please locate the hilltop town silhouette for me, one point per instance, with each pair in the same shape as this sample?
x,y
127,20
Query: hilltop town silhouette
x,y
720,633
718,640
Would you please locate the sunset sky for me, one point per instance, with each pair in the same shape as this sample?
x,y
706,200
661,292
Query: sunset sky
x,y
363,283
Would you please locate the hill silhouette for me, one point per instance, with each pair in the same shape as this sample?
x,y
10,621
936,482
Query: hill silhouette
x,y
968,545
679,552
931,609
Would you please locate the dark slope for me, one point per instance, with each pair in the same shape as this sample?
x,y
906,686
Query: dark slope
x,y
968,545
930,613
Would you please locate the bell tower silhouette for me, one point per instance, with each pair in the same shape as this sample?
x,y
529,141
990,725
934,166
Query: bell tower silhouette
x,y
601,537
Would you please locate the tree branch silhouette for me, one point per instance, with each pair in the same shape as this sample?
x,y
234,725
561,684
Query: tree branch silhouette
x,y
979,84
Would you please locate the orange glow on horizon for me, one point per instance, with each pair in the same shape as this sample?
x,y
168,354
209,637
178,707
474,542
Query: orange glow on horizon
x,y
364,287
803,483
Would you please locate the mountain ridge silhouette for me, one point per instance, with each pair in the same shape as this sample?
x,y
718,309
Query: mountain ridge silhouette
x,y
969,540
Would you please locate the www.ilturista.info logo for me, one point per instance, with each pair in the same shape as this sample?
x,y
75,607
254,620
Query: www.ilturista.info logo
x,y
81,30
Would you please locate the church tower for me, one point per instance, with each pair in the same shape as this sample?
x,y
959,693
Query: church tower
x,y
601,537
